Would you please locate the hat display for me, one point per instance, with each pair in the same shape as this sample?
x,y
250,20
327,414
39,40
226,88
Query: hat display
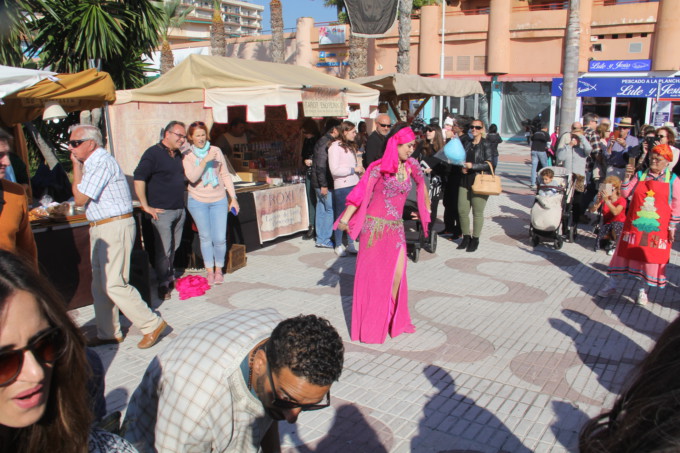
x,y
626,121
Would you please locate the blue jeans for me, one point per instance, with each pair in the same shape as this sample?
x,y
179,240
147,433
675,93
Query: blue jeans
x,y
211,221
537,156
339,198
324,217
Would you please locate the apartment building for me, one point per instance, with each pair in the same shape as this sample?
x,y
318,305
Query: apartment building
x,y
241,18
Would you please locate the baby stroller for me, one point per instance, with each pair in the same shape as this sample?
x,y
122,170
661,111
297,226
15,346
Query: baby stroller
x,y
413,229
551,215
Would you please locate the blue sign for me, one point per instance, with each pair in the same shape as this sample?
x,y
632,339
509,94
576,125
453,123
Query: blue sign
x,y
630,87
619,65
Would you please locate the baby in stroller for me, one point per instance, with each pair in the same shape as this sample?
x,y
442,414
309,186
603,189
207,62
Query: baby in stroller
x,y
548,210
613,209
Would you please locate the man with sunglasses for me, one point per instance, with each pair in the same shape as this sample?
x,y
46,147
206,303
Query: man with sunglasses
x,y
100,185
375,144
160,187
620,145
16,235
222,384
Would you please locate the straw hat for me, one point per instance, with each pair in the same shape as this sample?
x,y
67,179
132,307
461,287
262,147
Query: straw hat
x,y
626,121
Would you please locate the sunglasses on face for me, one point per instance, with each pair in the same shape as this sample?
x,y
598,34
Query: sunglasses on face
x,y
288,405
75,143
479,128
659,137
384,125
47,348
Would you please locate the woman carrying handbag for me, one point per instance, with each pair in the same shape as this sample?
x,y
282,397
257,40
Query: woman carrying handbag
x,y
478,155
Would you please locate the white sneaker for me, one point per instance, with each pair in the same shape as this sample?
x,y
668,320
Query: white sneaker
x,y
608,291
642,297
611,251
340,250
351,248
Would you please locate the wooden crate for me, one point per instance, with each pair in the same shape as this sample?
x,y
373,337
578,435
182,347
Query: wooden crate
x,y
236,258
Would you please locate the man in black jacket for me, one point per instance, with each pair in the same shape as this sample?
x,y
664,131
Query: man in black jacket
x,y
375,145
322,182
539,146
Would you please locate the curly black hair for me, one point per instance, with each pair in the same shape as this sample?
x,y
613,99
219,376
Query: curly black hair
x,y
309,346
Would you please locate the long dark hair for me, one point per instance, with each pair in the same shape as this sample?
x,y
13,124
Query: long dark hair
x,y
430,149
65,425
646,417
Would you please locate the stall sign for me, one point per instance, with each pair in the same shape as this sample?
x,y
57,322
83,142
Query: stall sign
x,y
629,87
281,211
619,65
321,101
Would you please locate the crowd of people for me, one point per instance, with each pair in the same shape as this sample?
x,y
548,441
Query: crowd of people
x,y
223,384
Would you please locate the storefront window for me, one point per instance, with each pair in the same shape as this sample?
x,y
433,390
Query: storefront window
x,y
524,101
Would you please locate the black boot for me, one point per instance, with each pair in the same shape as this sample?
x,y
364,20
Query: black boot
x,y
310,234
472,246
464,243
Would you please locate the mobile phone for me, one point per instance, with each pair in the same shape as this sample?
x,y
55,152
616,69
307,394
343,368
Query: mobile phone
x,y
233,211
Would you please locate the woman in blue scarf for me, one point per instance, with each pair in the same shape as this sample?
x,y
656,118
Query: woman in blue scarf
x,y
209,184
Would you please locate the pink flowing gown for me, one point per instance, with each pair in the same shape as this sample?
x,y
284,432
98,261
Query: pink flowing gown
x,y
380,199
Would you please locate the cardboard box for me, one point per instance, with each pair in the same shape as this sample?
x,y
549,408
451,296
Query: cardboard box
x,y
246,176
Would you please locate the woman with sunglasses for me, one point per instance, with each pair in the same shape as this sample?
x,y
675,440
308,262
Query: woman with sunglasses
x,y
44,403
374,209
209,183
478,158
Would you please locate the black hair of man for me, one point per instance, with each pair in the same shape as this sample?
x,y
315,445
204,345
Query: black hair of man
x,y
309,346
236,121
589,117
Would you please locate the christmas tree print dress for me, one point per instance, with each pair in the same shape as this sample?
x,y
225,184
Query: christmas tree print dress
x,y
644,247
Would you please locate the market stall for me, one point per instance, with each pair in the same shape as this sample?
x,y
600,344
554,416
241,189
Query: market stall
x,y
272,98
63,240
395,88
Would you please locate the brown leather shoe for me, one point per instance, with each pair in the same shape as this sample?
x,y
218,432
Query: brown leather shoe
x,y
96,341
152,338
164,293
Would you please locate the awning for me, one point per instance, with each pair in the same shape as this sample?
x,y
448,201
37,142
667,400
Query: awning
x,y
14,79
84,90
415,86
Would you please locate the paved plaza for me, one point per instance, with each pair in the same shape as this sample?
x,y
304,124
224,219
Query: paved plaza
x,y
512,351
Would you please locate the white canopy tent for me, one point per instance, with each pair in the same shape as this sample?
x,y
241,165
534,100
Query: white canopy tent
x,y
14,79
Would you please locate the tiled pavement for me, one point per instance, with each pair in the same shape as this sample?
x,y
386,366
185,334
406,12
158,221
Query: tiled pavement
x,y
512,352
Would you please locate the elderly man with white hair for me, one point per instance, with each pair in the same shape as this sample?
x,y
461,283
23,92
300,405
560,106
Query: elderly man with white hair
x,y
375,145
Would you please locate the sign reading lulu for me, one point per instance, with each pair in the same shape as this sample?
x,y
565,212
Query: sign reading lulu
x,y
281,211
629,87
319,101
619,65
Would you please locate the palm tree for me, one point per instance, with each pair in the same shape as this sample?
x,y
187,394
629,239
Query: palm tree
x,y
16,17
69,34
403,54
571,54
218,39
278,45
358,47
173,17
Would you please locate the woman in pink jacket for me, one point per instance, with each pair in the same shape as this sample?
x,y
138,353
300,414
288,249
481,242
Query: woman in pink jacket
x,y
209,184
345,169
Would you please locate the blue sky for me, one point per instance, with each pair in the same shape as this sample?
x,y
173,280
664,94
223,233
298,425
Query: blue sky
x,y
292,9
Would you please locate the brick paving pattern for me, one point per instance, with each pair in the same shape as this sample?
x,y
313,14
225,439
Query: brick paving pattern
x,y
512,351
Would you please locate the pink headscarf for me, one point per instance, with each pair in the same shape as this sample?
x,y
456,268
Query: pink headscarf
x,y
390,160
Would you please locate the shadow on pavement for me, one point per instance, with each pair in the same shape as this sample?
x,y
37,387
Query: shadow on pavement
x,y
567,426
450,414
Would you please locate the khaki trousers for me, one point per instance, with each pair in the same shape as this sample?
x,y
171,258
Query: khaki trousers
x,y
110,248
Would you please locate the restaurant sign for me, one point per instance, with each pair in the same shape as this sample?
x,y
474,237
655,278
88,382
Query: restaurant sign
x,y
629,87
619,65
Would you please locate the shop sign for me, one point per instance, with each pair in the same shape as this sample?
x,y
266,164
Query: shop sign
x,y
630,87
619,65
333,34
661,113
323,102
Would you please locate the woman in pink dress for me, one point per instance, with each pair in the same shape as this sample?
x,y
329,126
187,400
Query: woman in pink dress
x,y
374,209
644,247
